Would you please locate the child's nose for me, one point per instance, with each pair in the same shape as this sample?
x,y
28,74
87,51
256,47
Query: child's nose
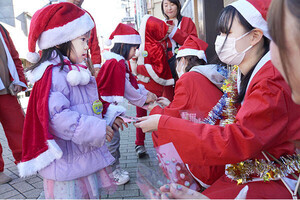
x,y
86,46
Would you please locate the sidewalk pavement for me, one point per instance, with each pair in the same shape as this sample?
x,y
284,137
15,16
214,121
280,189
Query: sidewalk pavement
x,y
31,187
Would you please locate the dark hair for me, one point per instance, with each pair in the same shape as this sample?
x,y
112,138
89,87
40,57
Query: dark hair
x,y
123,49
177,3
276,18
224,25
192,62
61,50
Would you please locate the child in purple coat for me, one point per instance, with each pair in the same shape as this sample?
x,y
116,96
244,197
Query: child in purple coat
x,y
64,133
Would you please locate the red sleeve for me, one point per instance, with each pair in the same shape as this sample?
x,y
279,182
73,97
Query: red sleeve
x,y
94,45
15,56
180,102
261,125
187,28
141,69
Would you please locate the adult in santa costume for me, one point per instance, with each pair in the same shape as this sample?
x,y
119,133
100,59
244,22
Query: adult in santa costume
x,y
64,131
93,41
196,92
153,70
180,28
116,82
12,81
266,124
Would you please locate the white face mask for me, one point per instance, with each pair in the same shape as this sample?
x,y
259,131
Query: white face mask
x,y
227,53
180,66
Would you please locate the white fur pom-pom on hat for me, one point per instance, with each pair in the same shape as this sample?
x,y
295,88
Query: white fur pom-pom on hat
x,y
33,57
74,77
85,77
107,42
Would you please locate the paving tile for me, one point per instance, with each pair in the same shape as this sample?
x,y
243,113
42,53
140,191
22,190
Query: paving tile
x,y
5,188
19,196
125,193
38,185
9,194
32,194
23,186
34,180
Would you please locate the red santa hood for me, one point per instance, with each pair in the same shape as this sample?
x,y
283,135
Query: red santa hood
x,y
153,50
111,78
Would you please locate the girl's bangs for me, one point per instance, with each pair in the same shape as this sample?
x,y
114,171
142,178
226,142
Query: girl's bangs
x,y
226,19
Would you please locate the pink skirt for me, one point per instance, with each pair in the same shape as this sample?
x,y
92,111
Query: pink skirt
x,y
88,187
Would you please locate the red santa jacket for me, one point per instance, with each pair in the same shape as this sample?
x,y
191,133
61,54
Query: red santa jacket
x,y
94,46
194,93
14,54
268,121
185,28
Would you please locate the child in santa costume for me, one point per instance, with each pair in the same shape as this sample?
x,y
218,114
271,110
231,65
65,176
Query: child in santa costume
x,y
153,70
116,82
196,92
64,131
259,144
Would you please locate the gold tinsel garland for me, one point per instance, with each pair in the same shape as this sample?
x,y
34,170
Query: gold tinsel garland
x,y
245,171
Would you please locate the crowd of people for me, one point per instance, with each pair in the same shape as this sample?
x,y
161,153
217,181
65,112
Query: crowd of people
x,y
235,122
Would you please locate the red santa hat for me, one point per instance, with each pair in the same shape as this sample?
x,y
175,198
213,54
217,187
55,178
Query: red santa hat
x,y
56,24
152,58
255,12
193,46
124,34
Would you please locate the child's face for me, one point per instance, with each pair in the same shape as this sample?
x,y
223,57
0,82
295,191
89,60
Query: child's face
x,y
132,52
79,50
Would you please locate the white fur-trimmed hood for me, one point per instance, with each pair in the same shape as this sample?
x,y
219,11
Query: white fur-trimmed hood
x,y
108,55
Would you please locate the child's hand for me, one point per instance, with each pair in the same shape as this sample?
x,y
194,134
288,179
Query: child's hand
x,y
109,133
151,97
152,105
149,123
163,101
118,123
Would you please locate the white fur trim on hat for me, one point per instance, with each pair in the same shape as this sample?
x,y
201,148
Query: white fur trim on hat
x,y
140,60
252,15
192,52
107,42
67,32
43,160
156,78
128,39
33,57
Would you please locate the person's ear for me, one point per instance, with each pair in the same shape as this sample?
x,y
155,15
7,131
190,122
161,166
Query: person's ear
x,y
256,36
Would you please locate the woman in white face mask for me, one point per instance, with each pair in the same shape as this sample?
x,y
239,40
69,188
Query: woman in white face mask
x,y
264,127
196,92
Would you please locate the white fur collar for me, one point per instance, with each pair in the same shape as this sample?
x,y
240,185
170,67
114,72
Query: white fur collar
x,y
37,73
107,55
